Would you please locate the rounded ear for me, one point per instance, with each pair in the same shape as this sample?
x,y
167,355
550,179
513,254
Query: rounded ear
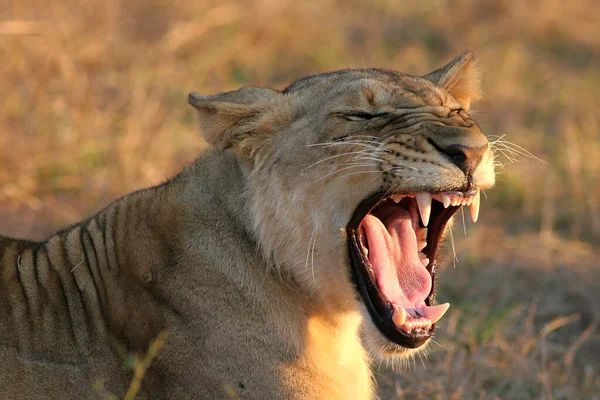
x,y
227,118
460,78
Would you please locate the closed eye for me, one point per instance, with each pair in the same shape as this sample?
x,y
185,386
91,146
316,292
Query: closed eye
x,y
359,115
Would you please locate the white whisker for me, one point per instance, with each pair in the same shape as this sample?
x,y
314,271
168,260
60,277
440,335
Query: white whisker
x,y
336,171
358,173
313,234
356,165
504,147
359,142
312,257
455,259
364,136
331,157
375,159
422,362
382,172
387,192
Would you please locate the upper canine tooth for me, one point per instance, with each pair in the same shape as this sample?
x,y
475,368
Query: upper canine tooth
x,y
474,207
446,200
424,204
397,197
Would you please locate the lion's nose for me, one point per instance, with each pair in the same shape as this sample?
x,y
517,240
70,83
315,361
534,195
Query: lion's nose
x,y
466,157
464,146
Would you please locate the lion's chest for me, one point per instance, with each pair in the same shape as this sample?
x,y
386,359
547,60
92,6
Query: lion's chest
x,y
334,364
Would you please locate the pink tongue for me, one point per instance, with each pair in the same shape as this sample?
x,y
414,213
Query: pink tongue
x,y
393,254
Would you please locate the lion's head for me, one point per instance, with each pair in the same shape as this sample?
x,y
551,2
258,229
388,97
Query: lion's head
x,y
352,177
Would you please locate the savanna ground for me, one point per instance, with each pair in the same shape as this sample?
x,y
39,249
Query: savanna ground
x,y
94,106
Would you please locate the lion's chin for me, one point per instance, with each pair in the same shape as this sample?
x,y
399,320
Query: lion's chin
x,y
381,348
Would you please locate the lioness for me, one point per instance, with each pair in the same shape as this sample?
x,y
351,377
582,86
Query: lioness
x,y
278,264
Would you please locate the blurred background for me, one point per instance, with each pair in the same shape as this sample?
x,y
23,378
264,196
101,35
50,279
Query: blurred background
x,y
94,106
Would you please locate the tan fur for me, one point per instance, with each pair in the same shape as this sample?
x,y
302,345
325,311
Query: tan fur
x,y
241,259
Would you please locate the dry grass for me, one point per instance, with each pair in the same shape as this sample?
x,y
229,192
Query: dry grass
x,y
139,365
94,106
522,325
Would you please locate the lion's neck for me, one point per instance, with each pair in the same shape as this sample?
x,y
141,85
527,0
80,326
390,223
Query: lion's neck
x,y
320,331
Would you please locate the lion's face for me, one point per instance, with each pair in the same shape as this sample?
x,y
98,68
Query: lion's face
x,y
352,178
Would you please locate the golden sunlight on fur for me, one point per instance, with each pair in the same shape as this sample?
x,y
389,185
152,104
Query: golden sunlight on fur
x,y
297,250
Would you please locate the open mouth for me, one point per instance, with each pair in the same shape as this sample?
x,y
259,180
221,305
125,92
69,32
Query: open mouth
x,y
393,243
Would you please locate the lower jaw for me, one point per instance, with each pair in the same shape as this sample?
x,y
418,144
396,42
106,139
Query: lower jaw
x,y
380,312
380,347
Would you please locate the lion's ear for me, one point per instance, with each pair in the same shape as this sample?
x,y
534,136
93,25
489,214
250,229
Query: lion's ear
x,y
227,119
460,78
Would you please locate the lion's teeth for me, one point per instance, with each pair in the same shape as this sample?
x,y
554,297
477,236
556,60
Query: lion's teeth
x,y
421,244
474,207
399,316
446,200
424,203
422,234
423,258
397,197
434,313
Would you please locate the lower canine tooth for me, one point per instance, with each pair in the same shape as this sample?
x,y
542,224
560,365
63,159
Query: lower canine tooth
x,y
434,313
399,316
423,258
